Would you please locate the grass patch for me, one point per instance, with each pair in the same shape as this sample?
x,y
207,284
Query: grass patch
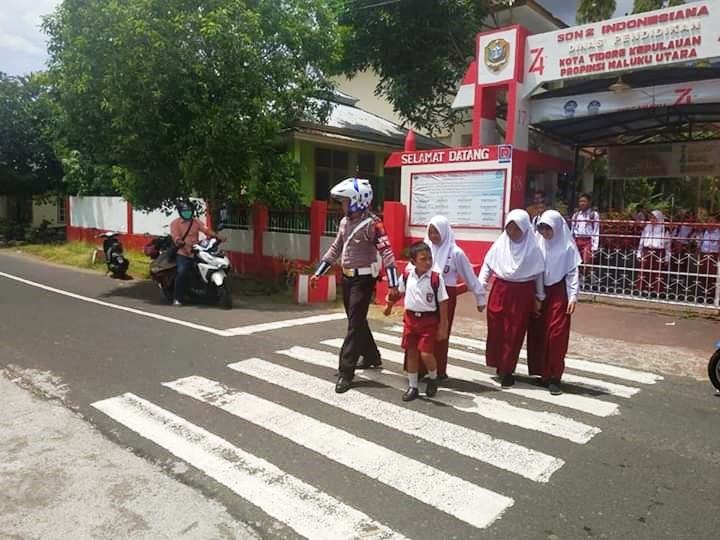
x,y
79,255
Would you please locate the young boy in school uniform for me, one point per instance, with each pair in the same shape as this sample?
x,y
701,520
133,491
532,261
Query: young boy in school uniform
x,y
426,317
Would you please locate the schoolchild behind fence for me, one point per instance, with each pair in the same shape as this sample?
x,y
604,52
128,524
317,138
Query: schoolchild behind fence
x,y
426,318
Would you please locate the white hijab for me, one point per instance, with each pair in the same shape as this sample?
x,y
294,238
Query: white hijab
x,y
441,253
560,252
654,234
516,261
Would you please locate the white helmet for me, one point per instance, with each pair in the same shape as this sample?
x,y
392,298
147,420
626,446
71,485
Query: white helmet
x,y
358,191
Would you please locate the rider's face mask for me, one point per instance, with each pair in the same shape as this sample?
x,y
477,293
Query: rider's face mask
x,y
186,214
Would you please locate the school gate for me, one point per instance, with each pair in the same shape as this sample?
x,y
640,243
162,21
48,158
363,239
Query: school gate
x,y
632,80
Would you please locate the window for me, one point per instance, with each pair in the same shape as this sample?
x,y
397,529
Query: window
x,y
331,166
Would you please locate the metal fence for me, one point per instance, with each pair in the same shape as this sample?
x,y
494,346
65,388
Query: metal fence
x,y
294,220
236,218
671,263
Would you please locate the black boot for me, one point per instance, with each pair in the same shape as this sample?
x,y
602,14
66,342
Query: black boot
x,y
343,384
432,388
507,380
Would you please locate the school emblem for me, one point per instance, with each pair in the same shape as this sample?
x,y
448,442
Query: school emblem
x,y
446,270
429,296
497,54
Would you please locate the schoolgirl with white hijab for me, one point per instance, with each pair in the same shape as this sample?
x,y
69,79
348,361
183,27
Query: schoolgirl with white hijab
x,y
517,264
450,261
549,334
654,251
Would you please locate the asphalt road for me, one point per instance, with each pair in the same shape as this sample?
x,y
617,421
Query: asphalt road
x,y
612,458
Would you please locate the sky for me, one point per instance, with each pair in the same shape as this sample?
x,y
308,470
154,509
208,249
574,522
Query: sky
x,y
22,44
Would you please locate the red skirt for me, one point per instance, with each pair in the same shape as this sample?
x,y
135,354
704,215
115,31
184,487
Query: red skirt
x,y
441,347
548,336
508,313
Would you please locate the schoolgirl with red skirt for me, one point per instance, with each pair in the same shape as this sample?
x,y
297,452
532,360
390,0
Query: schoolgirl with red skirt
x,y
549,334
516,263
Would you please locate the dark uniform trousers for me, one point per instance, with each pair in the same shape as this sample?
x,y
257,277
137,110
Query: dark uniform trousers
x,y
359,341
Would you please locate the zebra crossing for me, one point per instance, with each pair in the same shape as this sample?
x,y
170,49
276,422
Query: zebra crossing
x,y
304,503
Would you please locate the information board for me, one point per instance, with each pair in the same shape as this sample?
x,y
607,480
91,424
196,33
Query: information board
x,y
470,199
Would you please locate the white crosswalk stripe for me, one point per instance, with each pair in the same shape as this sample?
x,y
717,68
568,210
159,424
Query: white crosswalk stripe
x,y
313,513
468,502
595,385
494,409
600,368
305,509
584,404
502,454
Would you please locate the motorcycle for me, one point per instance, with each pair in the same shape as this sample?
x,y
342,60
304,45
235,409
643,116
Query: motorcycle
x,y
714,367
209,278
115,260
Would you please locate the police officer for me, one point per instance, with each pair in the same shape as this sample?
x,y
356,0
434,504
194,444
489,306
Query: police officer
x,y
361,243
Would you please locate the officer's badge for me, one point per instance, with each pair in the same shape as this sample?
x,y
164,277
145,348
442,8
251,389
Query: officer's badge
x,y
497,54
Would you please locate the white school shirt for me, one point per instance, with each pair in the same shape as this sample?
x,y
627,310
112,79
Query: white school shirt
x,y
458,264
419,294
587,225
682,234
486,273
710,241
572,285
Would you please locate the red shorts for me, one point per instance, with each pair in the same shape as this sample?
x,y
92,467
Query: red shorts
x,y
420,332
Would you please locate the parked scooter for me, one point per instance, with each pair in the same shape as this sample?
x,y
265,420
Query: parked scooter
x,y
714,367
209,279
115,260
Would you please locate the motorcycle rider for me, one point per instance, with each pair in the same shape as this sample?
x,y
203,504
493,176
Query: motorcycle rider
x,y
361,237
185,232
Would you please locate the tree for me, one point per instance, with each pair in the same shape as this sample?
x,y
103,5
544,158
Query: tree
x,y
641,6
170,98
595,10
28,165
419,50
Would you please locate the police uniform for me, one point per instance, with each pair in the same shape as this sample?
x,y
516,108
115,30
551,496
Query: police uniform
x,y
360,242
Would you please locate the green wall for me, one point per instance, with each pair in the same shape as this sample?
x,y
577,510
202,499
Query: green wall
x,y
304,152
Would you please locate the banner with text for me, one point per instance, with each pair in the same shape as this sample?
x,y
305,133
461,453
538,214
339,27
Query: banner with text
x,y
669,95
673,35
665,160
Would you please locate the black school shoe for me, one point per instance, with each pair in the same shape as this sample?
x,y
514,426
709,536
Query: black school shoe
x,y
554,387
432,388
343,385
507,380
410,394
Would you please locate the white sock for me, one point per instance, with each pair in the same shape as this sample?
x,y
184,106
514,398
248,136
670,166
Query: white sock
x,y
413,380
432,375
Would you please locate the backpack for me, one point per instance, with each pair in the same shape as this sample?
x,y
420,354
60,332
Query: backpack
x,y
434,283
